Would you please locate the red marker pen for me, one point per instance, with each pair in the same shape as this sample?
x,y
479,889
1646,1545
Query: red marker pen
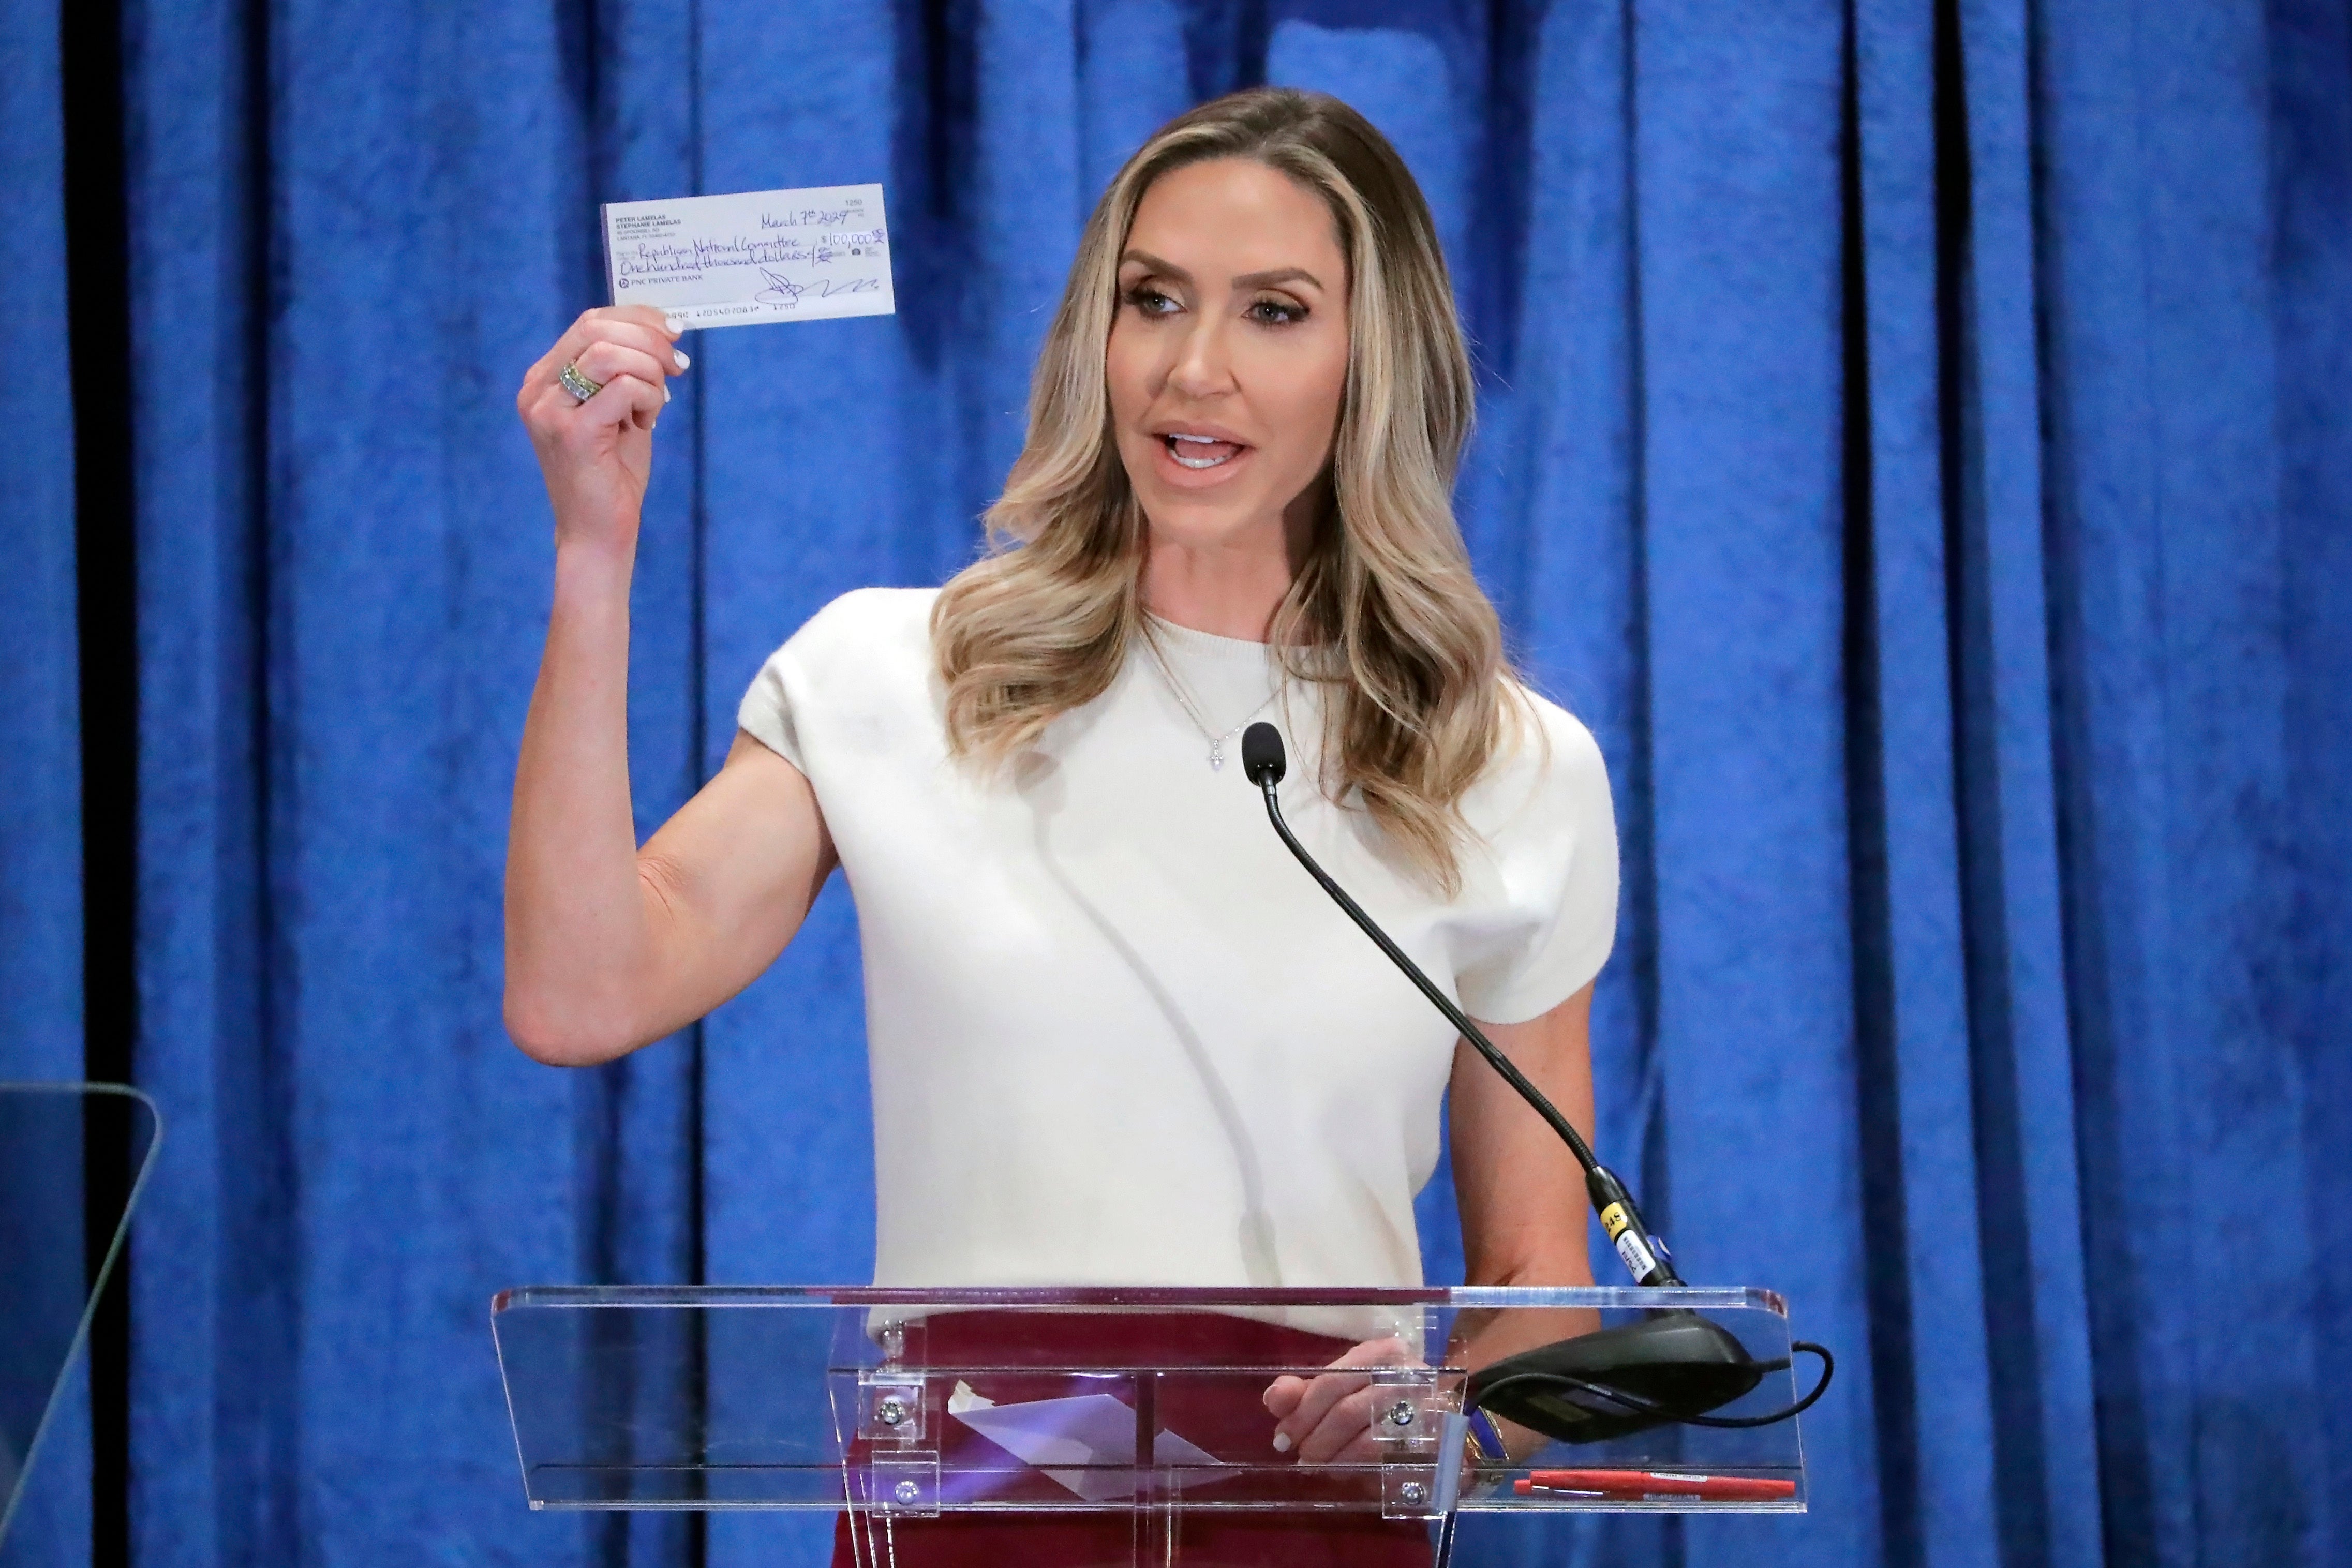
x,y
1656,1483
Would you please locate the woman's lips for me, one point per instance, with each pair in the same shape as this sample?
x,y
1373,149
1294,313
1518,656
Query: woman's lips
x,y
1200,452
1196,459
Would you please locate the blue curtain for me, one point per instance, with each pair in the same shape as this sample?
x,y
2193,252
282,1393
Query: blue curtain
x,y
1913,435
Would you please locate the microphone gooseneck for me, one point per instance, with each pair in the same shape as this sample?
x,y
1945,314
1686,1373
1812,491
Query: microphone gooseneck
x,y
1669,1367
1643,1255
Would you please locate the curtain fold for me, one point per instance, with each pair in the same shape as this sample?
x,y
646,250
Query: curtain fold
x,y
1913,436
2311,328
40,763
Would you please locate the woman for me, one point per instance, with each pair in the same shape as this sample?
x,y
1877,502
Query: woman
x,y
1117,1036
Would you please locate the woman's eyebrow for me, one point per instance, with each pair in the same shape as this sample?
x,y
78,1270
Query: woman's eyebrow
x,y
1161,267
1272,276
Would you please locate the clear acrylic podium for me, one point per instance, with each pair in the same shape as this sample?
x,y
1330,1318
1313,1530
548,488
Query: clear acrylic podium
x,y
890,1408
55,1138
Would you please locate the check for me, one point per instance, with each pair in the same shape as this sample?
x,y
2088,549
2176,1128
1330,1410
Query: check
x,y
760,255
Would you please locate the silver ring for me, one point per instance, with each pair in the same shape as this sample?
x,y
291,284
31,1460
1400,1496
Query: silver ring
x,y
578,385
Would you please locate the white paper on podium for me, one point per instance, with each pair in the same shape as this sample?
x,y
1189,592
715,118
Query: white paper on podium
x,y
759,255
1094,1429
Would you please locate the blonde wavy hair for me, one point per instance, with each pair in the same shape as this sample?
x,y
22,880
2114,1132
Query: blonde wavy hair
x,y
1383,612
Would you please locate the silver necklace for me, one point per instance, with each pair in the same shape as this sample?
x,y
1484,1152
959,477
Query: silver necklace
x,y
1192,711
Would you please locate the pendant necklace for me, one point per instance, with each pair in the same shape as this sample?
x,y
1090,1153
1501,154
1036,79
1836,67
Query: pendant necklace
x,y
1192,711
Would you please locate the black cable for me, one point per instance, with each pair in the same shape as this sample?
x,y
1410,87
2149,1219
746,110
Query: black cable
x,y
1635,1404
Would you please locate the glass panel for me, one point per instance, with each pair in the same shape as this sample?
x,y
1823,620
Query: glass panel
x,y
50,1135
910,1404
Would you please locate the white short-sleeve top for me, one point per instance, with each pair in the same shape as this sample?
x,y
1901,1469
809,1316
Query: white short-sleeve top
x,y
1118,1035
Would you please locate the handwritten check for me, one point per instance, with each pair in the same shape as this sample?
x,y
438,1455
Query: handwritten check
x,y
760,255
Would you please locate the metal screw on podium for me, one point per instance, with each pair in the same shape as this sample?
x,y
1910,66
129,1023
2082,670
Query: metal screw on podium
x,y
908,1492
1400,1412
1414,1493
890,1411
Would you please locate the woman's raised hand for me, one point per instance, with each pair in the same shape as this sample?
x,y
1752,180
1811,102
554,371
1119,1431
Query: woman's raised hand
x,y
597,455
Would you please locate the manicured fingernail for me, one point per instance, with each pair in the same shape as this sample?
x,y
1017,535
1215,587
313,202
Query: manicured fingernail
x,y
1282,1442
679,355
673,324
664,394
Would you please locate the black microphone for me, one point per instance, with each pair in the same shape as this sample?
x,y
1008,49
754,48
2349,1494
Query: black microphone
x,y
1670,1367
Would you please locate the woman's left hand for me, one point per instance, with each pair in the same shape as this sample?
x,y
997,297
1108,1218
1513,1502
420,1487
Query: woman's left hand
x,y
1327,1418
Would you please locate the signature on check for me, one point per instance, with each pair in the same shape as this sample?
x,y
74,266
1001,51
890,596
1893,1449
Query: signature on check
x,y
783,290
